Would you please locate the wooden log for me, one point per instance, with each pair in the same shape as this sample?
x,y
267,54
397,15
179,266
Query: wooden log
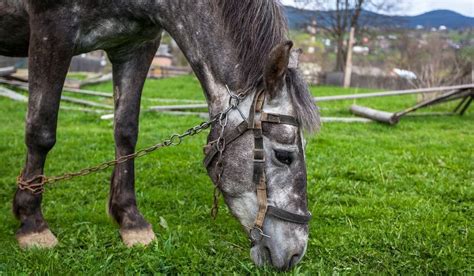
x,y
392,93
373,114
6,71
4,92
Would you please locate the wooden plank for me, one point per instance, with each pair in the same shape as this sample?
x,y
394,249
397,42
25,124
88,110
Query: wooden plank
x,y
4,92
178,107
345,120
166,100
101,79
73,100
70,90
174,113
85,103
86,110
392,93
6,71
184,113
88,92
446,97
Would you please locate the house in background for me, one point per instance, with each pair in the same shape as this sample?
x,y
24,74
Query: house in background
x,y
162,65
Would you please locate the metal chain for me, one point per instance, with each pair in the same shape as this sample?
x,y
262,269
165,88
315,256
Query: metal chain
x,y
37,183
219,167
234,102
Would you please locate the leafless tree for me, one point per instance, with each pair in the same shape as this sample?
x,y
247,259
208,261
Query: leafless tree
x,y
433,61
337,17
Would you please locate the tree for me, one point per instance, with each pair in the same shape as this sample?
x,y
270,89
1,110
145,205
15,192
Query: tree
x,y
433,61
337,17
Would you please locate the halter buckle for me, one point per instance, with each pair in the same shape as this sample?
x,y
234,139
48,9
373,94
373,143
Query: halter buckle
x,y
259,155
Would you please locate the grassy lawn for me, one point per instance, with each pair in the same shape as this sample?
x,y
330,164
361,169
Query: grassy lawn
x,y
384,199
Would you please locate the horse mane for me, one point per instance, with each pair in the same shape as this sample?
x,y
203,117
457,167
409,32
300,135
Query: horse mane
x,y
256,27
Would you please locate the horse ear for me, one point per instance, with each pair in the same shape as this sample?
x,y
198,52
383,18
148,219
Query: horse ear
x,y
295,58
276,66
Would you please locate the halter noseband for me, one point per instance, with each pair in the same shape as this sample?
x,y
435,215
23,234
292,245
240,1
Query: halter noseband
x,y
254,124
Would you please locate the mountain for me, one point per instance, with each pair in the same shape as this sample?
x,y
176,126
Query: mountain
x,y
452,20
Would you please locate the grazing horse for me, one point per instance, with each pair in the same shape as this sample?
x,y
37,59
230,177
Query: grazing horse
x,y
255,153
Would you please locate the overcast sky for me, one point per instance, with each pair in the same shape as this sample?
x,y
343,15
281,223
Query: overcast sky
x,y
415,7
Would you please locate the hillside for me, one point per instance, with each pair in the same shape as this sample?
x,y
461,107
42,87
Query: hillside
x,y
450,19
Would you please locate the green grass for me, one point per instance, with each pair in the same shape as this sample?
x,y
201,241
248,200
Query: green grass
x,y
384,199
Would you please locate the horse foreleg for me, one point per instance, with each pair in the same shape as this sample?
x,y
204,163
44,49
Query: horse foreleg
x,y
49,58
129,74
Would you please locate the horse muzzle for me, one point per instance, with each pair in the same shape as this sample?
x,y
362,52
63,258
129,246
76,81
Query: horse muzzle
x,y
283,245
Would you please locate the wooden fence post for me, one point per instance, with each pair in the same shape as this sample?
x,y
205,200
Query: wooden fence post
x,y
348,69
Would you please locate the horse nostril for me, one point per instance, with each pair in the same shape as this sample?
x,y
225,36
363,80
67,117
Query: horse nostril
x,y
268,254
294,260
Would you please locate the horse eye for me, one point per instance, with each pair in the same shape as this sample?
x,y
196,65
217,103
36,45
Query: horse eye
x,y
284,157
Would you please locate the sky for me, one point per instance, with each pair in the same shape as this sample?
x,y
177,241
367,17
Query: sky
x,y
415,7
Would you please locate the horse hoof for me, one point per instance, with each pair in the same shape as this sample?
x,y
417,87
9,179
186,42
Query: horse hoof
x,y
132,237
42,240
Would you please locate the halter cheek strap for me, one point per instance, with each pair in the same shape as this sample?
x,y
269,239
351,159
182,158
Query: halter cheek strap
x,y
254,123
259,163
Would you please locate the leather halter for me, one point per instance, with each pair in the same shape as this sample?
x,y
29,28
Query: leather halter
x,y
254,123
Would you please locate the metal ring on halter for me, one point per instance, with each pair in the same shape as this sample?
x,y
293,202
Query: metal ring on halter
x,y
256,234
234,102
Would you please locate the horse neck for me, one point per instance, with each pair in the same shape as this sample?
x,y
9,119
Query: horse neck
x,y
201,36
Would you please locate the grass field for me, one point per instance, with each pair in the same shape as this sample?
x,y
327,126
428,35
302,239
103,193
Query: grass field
x,y
384,199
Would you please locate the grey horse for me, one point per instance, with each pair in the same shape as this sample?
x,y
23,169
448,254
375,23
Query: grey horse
x,y
241,45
